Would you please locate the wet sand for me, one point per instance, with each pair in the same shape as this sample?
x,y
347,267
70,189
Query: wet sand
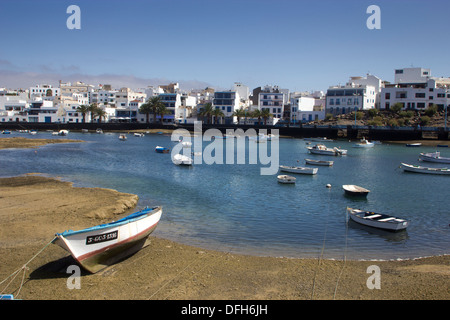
x,y
33,208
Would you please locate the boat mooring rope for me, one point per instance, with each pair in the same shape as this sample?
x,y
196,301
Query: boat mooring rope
x,y
24,268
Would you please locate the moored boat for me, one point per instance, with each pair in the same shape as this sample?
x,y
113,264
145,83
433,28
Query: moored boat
x,y
319,162
420,169
324,150
182,160
433,157
99,130
285,179
63,132
354,190
364,143
418,144
300,170
377,220
160,149
100,246
122,137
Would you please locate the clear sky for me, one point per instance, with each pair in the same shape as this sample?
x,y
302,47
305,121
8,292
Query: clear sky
x,y
295,44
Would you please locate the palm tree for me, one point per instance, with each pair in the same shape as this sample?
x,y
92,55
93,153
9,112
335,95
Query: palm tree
x,y
100,113
83,109
146,108
217,113
238,113
162,110
155,104
265,114
91,108
256,114
207,111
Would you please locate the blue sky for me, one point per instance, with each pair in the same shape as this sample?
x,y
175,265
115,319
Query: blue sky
x,y
299,45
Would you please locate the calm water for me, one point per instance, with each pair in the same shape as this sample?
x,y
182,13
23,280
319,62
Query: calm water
x,y
234,208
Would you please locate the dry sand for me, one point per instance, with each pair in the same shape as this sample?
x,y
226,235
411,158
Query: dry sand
x,y
33,208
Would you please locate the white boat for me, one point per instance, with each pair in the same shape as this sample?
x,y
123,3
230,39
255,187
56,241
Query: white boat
x,y
63,132
55,133
139,134
160,149
33,132
100,246
323,150
285,179
186,144
433,157
319,162
364,143
122,137
413,144
182,160
420,169
99,131
354,190
377,220
300,170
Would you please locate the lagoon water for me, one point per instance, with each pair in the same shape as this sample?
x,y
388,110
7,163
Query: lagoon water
x,y
232,207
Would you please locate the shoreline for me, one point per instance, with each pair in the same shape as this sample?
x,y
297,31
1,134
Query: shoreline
x,y
171,270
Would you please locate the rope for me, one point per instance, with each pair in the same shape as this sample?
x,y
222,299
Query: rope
x,y
345,256
24,268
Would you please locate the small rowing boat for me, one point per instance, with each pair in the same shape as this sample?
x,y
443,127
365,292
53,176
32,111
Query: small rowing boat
x,y
160,149
433,157
285,179
300,170
377,220
354,190
100,246
182,160
420,169
319,162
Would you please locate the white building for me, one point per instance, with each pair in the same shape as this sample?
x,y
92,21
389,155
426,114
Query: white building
x,y
43,90
415,89
357,94
13,108
227,102
273,98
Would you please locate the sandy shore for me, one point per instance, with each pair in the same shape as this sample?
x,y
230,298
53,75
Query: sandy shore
x,y
21,142
33,208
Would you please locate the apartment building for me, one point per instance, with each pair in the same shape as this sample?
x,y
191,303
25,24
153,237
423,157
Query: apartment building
x,y
227,102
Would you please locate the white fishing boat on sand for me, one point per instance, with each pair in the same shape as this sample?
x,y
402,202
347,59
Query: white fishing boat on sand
x,y
300,170
428,170
377,220
100,246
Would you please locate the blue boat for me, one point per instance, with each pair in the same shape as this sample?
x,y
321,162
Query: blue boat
x,y
160,149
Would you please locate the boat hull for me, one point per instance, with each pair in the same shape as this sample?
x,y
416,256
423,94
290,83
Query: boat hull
x,y
299,170
425,170
376,220
355,191
433,157
319,162
284,179
162,150
98,247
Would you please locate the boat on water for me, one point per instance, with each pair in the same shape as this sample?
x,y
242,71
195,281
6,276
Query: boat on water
x,y
99,131
100,246
186,144
33,132
319,162
300,170
122,137
418,144
63,132
160,149
285,179
324,150
433,157
139,134
354,190
377,220
364,143
6,132
420,169
182,160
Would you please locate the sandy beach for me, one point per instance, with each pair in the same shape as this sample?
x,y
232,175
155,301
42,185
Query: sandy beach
x,y
33,208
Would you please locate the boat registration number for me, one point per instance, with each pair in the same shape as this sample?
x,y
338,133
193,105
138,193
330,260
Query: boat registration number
x,y
102,237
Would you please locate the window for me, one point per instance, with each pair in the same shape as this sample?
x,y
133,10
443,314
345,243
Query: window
x,y
332,102
338,102
400,71
420,95
387,95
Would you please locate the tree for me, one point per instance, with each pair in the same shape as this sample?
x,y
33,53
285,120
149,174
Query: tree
x,y
155,104
397,107
162,110
239,113
83,109
265,114
100,113
256,114
207,111
217,113
146,108
92,108
431,110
